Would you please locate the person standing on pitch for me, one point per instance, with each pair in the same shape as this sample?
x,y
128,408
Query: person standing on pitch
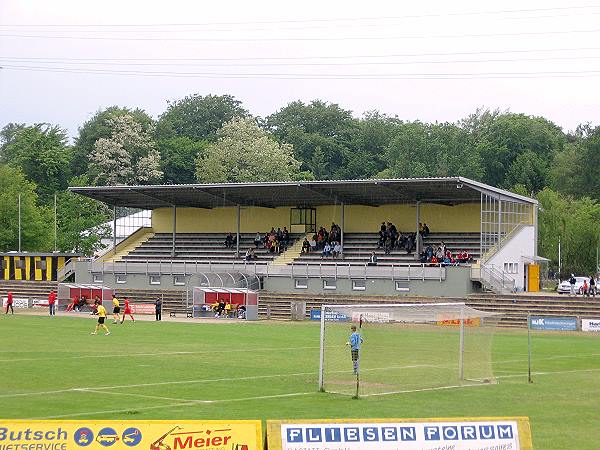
x,y
355,341
158,308
116,309
52,303
127,311
101,318
9,303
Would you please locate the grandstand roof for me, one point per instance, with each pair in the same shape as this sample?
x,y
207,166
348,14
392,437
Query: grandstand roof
x,y
447,190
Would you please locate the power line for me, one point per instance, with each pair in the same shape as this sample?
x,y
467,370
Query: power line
x,y
305,64
326,57
318,39
404,76
326,20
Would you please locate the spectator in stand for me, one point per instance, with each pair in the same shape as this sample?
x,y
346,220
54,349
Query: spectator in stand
x,y
305,246
439,254
584,288
434,260
313,242
372,259
382,238
257,240
387,246
443,246
425,230
393,232
429,252
250,255
52,303
286,237
229,240
9,303
337,249
326,250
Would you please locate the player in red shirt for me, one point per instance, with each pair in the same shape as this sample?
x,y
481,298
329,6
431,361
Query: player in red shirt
x,y
9,303
127,311
52,303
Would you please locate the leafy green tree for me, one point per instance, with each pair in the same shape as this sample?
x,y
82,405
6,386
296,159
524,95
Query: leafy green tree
x,y
318,125
81,221
99,127
128,156
35,220
198,117
244,152
528,170
502,137
8,133
425,150
42,154
577,223
178,158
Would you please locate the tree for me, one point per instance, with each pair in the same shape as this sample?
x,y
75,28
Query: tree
x,y
244,152
321,128
42,154
425,150
99,127
81,221
502,137
128,156
529,170
577,223
178,158
198,117
35,220
8,134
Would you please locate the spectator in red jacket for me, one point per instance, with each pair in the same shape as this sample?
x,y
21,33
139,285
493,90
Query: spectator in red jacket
x,y
9,303
52,303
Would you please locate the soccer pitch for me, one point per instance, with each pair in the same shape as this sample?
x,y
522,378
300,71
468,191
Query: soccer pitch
x,y
53,368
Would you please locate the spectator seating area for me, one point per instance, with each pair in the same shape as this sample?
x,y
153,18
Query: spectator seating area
x,y
358,247
199,247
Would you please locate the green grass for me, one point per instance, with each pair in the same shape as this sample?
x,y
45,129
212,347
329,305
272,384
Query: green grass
x,y
266,370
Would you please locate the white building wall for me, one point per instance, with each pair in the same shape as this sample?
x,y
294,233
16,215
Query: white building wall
x,y
518,249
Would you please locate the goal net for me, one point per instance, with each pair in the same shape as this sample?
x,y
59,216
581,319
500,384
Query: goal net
x,y
405,347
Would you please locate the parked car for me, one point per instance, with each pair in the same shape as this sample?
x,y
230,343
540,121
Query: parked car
x,y
564,287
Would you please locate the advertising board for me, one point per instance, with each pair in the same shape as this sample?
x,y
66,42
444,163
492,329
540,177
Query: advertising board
x,y
553,323
17,302
401,434
143,308
315,314
590,325
133,434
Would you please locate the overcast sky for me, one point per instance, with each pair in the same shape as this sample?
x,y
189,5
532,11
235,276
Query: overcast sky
x,y
432,61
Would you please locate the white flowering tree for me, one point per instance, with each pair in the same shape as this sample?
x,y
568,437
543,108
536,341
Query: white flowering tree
x,y
244,152
128,156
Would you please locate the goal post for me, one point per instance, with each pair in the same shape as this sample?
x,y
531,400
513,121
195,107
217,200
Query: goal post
x,y
405,347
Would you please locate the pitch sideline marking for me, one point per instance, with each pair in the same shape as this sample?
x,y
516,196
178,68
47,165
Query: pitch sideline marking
x,y
172,405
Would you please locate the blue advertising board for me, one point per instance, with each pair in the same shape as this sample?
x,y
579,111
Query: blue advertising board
x,y
315,314
553,323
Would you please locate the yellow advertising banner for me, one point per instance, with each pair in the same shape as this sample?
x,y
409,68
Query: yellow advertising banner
x,y
130,435
473,433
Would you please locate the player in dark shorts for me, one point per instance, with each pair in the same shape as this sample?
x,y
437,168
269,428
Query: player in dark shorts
x,y
116,309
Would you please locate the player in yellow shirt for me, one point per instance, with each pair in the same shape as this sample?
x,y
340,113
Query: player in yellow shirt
x,y
101,318
116,309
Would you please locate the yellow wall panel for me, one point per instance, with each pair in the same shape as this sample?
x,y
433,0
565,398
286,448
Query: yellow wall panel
x,y
60,262
37,271
6,271
358,218
18,272
27,267
49,268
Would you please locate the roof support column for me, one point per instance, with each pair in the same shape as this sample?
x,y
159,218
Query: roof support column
x,y
535,232
499,222
237,240
342,226
114,229
174,230
418,234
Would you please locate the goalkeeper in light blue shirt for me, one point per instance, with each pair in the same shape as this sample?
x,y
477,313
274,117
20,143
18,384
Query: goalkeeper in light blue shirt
x,y
355,341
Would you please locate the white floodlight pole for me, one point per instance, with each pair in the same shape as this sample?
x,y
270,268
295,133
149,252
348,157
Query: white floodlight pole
x,y
19,223
461,359
322,351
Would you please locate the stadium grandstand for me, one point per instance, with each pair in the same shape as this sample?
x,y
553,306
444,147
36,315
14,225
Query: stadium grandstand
x,y
447,237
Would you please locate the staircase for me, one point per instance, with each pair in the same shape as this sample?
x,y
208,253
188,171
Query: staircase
x,y
128,245
291,254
